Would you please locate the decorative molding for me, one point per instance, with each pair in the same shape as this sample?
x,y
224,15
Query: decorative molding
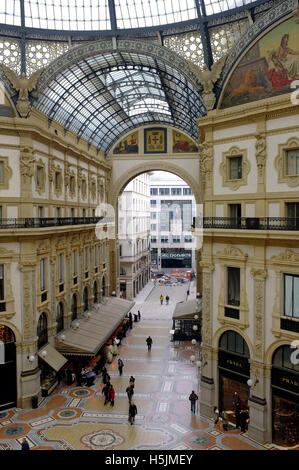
x,y
206,163
286,257
259,273
224,168
280,163
207,266
259,324
232,253
27,162
261,155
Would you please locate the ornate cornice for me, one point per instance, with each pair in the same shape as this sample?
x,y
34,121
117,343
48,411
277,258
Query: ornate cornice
x,y
286,257
259,273
230,252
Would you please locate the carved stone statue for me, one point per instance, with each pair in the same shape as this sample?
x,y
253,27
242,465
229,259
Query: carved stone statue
x,y
207,78
260,153
27,161
23,85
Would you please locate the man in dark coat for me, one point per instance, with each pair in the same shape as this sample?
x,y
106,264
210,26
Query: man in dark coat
x,y
105,392
149,343
193,397
132,412
25,445
130,392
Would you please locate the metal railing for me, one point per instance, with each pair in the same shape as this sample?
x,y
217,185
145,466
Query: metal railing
x,y
247,223
41,222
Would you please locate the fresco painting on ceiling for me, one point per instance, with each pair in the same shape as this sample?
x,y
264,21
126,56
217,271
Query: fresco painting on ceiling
x,y
182,144
128,144
155,140
268,68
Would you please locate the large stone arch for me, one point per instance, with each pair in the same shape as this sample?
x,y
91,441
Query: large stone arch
x,y
157,165
272,348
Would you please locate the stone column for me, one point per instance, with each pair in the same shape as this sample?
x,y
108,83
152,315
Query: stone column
x,y
259,409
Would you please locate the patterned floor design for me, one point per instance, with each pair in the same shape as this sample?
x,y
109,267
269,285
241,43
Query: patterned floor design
x,y
75,417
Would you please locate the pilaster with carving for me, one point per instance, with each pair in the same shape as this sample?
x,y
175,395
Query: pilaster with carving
x,y
27,162
206,157
207,275
259,275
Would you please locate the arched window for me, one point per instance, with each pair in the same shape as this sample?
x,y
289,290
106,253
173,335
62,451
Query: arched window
x,y
233,342
95,292
74,307
42,330
59,317
85,299
8,393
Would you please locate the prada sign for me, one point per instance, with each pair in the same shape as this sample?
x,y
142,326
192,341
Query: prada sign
x,y
234,363
286,380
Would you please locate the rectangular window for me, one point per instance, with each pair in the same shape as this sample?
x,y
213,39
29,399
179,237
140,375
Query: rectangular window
x,y
86,252
72,212
42,268
2,295
176,239
153,202
154,191
187,191
188,239
57,212
233,286
72,184
164,191
291,295
57,180
40,212
153,215
176,191
1,172
120,250
95,255
164,239
75,263
0,212
292,162
60,268
235,168
153,239
153,227
39,175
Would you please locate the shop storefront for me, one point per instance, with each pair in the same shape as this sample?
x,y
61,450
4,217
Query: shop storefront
x,y
50,363
234,371
8,388
285,398
176,258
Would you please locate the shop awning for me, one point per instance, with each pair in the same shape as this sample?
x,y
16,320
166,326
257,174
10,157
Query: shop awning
x,y
93,332
53,357
187,310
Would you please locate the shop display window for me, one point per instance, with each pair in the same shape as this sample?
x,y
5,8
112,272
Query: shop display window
x,y
285,422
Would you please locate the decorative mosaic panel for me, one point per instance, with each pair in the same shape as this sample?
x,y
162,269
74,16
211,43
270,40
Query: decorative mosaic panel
x,y
187,45
10,53
40,54
225,36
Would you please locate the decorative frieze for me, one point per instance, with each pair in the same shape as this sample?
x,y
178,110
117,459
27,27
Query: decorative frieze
x,y
261,155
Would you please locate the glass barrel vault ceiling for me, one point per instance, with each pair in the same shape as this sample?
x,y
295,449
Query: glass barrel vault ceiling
x,y
94,15
100,98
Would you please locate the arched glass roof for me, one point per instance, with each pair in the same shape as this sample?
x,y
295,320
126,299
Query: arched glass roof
x,y
95,15
101,97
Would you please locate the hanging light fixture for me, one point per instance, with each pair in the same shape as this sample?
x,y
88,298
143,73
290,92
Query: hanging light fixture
x,y
192,358
193,341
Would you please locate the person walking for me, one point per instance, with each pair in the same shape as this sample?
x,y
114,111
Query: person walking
x,y
216,415
193,397
161,299
238,416
167,299
132,380
130,392
139,315
132,412
120,366
104,375
149,343
111,395
225,420
25,444
244,420
105,392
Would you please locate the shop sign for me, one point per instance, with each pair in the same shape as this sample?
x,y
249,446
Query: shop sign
x,y
234,362
286,380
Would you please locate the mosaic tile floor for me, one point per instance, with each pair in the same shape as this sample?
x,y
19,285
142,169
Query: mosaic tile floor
x,y
76,418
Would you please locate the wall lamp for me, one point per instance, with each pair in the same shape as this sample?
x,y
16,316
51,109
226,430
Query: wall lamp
x,y
31,357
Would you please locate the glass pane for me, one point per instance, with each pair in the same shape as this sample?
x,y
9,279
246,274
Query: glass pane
x,y
292,166
296,298
231,341
277,358
235,168
288,295
239,344
233,286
